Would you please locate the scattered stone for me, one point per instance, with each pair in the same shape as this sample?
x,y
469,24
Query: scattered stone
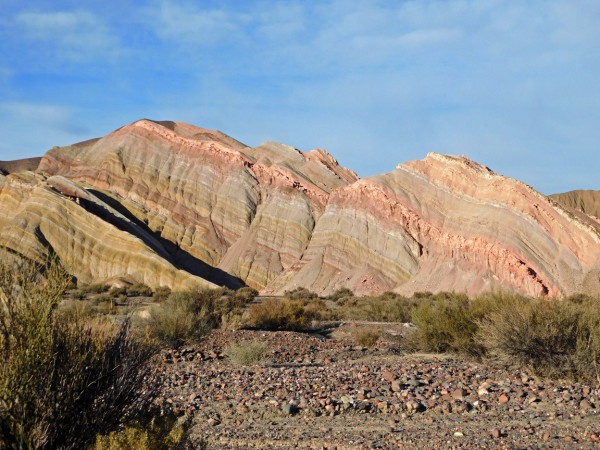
x,y
289,409
503,399
368,400
585,405
459,394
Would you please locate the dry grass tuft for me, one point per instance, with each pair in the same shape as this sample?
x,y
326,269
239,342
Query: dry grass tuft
x,y
366,337
246,353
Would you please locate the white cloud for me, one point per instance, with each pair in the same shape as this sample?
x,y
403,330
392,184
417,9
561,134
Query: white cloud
x,y
71,35
46,115
189,24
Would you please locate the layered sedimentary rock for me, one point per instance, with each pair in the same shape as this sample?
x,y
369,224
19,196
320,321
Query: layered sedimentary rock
x,y
168,203
448,223
246,212
42,217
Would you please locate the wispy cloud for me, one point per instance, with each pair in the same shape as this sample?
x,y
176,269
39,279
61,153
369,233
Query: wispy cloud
x,y
71,35
53,116
174,21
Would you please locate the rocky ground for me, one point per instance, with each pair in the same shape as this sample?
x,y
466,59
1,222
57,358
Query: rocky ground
x,y
324,392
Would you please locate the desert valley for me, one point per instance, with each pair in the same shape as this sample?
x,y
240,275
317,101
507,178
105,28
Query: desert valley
x,y
266,297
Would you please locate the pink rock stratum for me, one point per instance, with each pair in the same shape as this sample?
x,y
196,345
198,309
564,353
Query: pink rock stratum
x,y
168,203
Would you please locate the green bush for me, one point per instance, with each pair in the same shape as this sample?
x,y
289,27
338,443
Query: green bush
x,y
161,293
300,293
187,316
550,337
366,337
158,431
61,381
387,307
245,295
97,288
183,317
448,324
246,353
341,295
283,314
139,290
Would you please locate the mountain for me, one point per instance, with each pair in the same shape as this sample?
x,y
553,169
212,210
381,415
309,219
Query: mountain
x,y
168,203
585,201
19,165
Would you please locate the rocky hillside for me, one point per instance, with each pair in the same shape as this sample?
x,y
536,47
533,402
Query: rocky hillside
x,y
168,203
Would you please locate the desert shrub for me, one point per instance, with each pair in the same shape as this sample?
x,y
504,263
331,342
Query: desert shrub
x,y
587,355
246,353
75,310
97,288
300,293
105,305
161,293
449,325
139,290
245,294
183,317
366,337
551,338
282,314
161,432
77,294
61,381
341,295
387,307
187,316
102,297
117,291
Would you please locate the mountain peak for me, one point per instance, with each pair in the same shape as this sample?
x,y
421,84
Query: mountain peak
x,y
169,203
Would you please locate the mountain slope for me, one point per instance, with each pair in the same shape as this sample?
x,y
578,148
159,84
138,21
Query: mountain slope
x,y
196,207
448,223
248,212
586,201
42,216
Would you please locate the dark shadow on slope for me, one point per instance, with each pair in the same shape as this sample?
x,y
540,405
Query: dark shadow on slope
x,y
178,257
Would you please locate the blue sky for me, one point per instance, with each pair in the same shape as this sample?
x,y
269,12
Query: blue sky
x,y
511,84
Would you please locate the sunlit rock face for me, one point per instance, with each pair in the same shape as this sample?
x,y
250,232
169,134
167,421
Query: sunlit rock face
x,y
42,217
168,203
448,223
247,212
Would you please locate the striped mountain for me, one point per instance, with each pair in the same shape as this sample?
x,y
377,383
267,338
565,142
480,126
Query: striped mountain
x,y
168,203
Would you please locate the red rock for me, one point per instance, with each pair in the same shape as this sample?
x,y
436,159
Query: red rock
x,y
503,398
387,375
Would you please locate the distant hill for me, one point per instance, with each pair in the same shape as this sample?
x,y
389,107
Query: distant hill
x,y
19,165
585,201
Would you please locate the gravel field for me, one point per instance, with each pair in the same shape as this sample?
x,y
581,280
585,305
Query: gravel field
x,y
311,391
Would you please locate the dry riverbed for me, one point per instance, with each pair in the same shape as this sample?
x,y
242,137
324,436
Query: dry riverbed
x,y
312,391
